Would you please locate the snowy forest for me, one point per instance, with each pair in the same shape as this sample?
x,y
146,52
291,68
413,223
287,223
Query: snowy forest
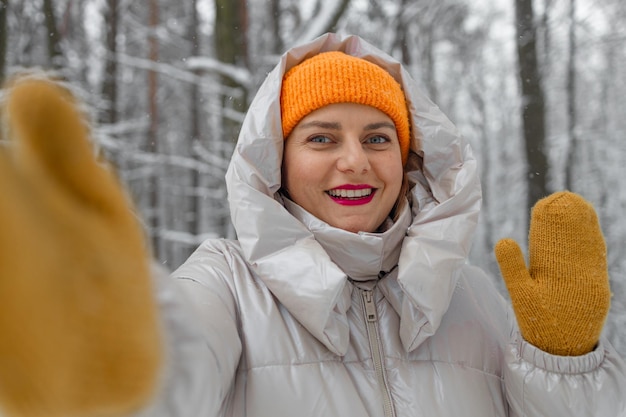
x,y
537,87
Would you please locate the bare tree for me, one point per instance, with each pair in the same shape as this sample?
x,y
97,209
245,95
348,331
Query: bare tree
x,y
533,105
571,99
152,142
231,47
546,33
420,27
194,121
401,37
275,13
109,81
4,33
55,54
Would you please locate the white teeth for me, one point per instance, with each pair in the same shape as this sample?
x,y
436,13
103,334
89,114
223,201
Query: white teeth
x,y
351,193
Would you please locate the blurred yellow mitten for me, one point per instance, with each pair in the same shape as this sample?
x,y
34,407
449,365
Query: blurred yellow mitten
x,y
79,332
561,301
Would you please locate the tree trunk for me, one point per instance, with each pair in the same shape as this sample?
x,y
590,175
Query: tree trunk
x,y
4,6
55,54
546,35
231,48
194,108
401,37
571,100
533,112
275,16
109,83
152,137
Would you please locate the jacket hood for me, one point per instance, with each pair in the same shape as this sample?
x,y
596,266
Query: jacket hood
x,y
293,253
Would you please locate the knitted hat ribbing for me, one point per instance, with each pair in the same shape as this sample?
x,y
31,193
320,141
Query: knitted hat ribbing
x,y
335,77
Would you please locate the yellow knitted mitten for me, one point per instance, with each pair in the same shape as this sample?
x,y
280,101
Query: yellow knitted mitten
x,y
562,300
79,331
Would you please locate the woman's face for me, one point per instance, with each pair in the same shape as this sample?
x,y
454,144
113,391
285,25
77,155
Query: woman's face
x,y
342,163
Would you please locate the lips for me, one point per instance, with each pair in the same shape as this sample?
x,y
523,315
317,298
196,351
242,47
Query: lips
x,y
351,195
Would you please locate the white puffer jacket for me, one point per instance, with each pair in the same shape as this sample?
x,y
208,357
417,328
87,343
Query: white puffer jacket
x,y
297,318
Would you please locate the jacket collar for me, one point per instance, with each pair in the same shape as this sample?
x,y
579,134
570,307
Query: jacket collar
x,y
361,256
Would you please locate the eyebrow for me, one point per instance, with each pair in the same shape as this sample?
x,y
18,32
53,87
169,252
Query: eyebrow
x,y
323,125
337,125
375,126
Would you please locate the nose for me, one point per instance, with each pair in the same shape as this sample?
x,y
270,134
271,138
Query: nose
x,y
353,157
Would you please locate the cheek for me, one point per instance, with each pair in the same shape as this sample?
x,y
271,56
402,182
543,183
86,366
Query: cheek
x,y
299,179
292,176
288,168
394,173
302,168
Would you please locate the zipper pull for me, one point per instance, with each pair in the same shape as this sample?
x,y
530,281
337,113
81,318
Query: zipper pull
x,y
370,306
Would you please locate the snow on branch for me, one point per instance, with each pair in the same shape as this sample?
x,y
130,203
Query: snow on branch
x,y
169,70
240,75
215,166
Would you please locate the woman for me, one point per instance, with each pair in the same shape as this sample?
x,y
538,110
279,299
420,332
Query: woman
x,y
341,297
348,293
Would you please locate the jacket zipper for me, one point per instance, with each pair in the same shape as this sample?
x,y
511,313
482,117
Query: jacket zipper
x,y
371,320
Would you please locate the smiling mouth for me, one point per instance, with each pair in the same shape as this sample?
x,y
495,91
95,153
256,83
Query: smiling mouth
x,y
351,197
353,194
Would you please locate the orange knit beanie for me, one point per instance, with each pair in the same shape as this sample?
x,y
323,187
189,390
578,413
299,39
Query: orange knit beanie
x,y
335,77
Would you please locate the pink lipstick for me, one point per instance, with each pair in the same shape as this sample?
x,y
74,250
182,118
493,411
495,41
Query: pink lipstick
x,y
352,194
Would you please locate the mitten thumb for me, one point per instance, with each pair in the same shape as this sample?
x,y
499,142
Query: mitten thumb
x,y
512,264
521,287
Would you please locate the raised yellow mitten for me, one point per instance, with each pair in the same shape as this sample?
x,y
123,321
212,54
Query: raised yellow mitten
x,y
79,332
562,300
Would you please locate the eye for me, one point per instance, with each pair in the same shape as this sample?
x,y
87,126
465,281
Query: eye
x,y
320,139
377,140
